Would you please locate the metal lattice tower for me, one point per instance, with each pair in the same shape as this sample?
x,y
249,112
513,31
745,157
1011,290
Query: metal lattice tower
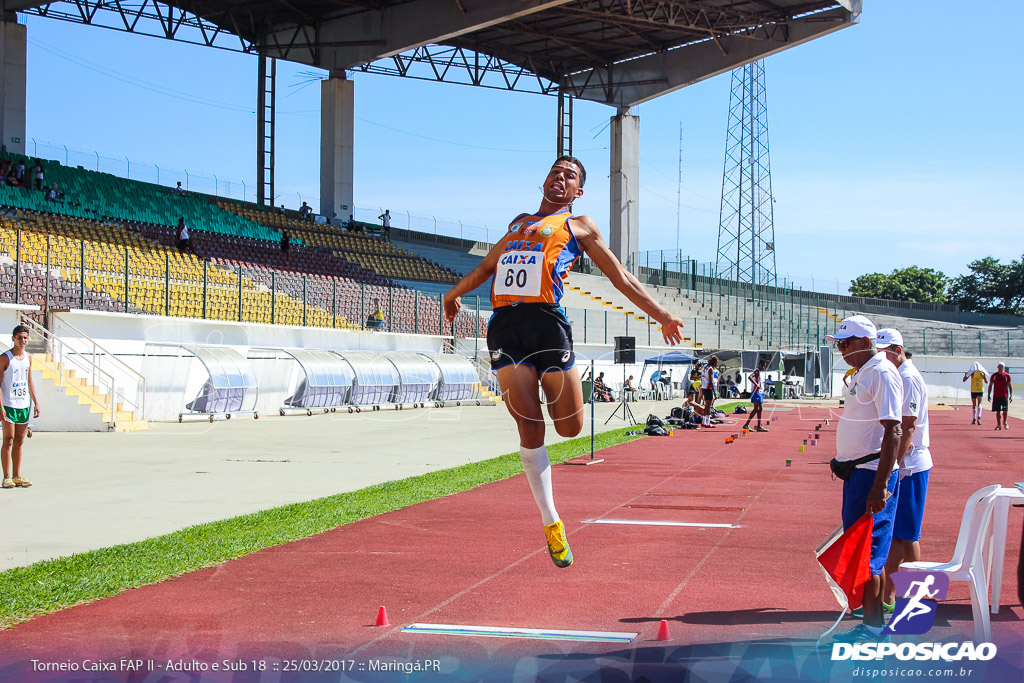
x,y
265,138
746,232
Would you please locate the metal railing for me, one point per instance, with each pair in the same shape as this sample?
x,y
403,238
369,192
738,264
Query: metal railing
x,y
77,341
66,359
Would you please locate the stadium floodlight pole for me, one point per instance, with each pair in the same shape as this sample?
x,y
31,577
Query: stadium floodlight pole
x,y
679,184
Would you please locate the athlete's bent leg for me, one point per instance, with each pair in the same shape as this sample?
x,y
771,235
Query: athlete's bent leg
x,y
564,393
519,390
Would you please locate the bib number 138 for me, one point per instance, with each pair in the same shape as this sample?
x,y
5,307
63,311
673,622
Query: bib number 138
x,y
519,273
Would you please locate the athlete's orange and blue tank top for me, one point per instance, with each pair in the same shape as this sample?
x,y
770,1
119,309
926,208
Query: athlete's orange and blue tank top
x,y
538,252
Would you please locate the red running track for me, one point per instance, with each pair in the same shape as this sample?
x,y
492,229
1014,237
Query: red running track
x,y
478,558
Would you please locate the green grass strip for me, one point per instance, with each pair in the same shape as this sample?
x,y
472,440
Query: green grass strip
x,y
59,583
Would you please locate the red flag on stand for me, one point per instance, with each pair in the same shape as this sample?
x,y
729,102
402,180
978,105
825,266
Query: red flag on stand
x,y
846,559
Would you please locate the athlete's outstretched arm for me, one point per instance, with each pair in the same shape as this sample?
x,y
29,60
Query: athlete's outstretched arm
x,y
594,246
476,277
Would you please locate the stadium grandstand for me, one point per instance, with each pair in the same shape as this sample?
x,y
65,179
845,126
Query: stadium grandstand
x,y
108,245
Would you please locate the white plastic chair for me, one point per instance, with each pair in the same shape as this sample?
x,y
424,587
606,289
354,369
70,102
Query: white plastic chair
x,y
1005,497
968,563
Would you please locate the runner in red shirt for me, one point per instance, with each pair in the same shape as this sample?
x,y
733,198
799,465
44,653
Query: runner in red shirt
x,y
1000,383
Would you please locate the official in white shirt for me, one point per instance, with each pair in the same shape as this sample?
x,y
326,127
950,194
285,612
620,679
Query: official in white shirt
x,y
913,459
869,430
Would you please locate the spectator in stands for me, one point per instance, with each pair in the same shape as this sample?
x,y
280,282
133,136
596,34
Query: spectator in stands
x,y
385,223
51,194
178,189
351,224
375,320
285,243
37,173
306,211
4,172
19,172
184,245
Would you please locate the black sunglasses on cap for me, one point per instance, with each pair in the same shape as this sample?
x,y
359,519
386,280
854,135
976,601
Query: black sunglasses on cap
x,y
843,343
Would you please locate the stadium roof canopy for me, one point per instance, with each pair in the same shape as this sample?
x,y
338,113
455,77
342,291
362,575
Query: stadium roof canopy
x,y
617,52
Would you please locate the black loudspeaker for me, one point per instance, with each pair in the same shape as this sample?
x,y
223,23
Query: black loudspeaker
x,y
625,350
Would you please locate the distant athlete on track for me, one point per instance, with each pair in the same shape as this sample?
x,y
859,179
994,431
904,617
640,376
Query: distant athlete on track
x,y
529,336
709,384
979,377
756,397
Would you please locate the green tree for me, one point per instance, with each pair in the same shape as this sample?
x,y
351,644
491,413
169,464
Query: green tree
x,y
923,285
990,287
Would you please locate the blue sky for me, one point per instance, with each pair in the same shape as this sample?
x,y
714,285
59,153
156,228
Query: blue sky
x,y
894,142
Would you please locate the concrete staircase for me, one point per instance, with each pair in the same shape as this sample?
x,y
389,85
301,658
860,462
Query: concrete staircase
x,y
62,392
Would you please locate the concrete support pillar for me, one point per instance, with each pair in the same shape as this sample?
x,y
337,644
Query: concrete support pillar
x,y
337,145
12,86
624,186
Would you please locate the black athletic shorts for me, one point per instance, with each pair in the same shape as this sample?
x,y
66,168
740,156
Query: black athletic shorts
x,y
1000,404
708,394
977,394
533,334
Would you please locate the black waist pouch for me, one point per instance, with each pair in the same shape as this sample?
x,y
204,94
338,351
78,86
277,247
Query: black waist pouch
x,y
843,469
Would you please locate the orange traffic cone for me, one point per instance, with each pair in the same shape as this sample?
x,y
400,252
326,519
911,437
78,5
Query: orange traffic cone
x,y
663,631
382,617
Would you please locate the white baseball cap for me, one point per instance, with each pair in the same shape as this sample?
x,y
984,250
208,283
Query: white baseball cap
x,y
888,337
854,326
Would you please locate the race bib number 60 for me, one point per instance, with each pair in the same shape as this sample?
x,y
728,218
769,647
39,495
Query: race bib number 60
x,y
519,273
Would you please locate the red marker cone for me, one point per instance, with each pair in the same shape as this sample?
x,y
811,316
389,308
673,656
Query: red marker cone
x,y
663,631
382,617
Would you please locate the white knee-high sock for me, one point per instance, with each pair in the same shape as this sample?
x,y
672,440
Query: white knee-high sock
x,y
977,412
538,472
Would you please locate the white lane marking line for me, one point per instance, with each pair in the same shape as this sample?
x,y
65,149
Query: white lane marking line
x,y
535,633
644,522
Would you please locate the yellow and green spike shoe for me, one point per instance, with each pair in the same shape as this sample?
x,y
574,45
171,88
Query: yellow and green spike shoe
x,y
558,545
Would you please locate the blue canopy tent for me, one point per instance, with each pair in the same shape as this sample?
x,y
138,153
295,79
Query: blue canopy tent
x,y
670,358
